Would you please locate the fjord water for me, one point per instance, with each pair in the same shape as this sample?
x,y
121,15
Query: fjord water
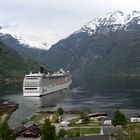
x,y
123,94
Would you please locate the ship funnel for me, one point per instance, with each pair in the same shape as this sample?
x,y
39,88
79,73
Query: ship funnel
x,y
43,71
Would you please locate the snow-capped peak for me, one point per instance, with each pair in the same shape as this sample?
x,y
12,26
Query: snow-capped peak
x,y
111,22
32,44
25,41
135,13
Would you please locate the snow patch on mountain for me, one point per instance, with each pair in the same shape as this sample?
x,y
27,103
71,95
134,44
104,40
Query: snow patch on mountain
x,y
111,22
138,22
25,41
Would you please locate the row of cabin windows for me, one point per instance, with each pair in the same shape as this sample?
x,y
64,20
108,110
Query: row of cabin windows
x,y
30,88
31,78
36,83
29,83
52,81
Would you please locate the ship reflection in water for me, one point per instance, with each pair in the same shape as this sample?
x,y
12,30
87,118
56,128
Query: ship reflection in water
x,y
48,100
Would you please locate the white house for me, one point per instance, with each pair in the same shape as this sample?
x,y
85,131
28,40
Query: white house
x,y
134,119
64,124
109,122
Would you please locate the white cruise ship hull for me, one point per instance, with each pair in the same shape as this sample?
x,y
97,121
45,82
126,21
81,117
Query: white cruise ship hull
x,y
40,91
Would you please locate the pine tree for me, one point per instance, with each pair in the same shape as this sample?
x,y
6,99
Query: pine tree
x,y
48,131
60,111
119,119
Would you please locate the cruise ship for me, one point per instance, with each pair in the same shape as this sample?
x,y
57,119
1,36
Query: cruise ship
x,y
43,82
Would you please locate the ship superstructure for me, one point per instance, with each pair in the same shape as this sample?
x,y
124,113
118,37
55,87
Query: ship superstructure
x,y
41,83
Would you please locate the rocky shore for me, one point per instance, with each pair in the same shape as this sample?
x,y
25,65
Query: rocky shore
x,y
7,107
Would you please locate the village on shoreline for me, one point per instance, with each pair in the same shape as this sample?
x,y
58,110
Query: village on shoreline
x,y
75,124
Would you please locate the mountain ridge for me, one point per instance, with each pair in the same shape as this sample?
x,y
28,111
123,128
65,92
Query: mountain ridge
x,y
24,41
100,54
112,21
13,67
97,55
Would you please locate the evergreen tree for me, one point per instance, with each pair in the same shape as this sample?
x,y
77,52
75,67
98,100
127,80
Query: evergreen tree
x,y
6,133
60,111
84,117
48,131
119,119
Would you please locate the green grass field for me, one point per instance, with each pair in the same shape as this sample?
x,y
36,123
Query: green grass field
x,y
83,131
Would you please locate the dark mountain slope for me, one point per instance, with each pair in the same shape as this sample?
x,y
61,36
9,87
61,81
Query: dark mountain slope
x,y
22,49
115,54
12,65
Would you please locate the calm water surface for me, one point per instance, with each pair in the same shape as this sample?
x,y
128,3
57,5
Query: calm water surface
x,y
127,101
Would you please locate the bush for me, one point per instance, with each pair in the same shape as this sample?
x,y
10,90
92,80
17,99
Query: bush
x,y
6,133
62,133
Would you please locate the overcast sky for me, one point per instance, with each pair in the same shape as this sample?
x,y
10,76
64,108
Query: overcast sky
x,y
52,20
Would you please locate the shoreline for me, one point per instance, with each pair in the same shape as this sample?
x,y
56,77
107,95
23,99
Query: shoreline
x,y
7,107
